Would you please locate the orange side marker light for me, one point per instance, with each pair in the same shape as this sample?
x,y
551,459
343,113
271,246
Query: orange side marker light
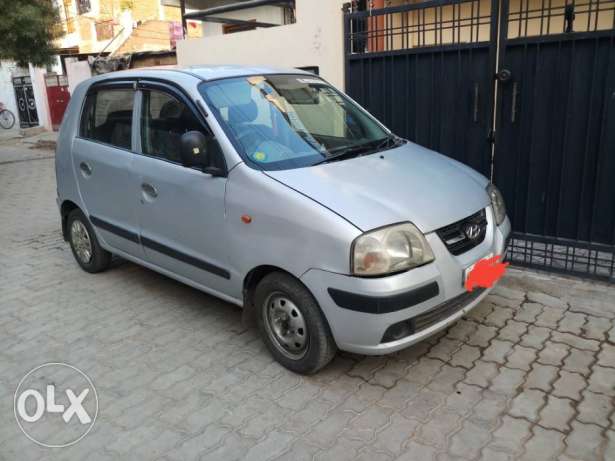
x,y
247,219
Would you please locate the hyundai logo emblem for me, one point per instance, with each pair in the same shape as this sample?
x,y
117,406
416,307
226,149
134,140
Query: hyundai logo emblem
x,y
472,231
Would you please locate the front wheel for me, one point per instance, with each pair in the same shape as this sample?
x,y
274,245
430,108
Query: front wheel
x,y
7,119
292,325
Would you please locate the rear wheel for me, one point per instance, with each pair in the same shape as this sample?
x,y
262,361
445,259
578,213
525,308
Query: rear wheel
x,y
7,119
292,325
84,244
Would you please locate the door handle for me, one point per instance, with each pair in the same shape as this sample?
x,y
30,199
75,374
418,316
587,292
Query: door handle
x,y
149,190
85,169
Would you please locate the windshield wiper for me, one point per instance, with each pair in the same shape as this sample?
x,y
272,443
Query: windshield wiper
x,y
307,137
361,149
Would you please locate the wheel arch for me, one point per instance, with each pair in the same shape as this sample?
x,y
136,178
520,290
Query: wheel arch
x,y
65,209
252,279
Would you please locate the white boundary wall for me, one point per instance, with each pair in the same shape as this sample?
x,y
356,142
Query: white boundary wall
x,y
316,39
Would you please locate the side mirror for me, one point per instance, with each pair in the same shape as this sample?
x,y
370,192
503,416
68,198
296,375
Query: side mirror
x,y
200,150
194,149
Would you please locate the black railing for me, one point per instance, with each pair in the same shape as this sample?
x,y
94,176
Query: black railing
x,y
546,17
563,256
430,23
455,22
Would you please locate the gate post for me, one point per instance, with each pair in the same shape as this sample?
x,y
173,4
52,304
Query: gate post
x,y
346,9
499,35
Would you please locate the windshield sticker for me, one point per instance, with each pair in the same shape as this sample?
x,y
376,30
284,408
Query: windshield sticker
x,y
256,80
260,156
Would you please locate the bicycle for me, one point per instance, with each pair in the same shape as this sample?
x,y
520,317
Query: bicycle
x,y
7,118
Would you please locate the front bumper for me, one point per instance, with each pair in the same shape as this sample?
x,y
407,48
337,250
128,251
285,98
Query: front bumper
x,y
358,329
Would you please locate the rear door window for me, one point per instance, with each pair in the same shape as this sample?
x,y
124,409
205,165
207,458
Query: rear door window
x,y
107,117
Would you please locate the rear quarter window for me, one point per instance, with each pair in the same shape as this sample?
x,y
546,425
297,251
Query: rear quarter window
x,y
107,117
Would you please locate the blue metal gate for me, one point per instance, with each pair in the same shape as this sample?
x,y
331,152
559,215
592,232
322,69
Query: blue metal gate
x,y
521,90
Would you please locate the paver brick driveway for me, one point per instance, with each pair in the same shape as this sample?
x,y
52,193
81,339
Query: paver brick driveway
x,y
529,375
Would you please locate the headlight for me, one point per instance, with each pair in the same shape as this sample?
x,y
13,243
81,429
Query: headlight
x,y
391,249
497,202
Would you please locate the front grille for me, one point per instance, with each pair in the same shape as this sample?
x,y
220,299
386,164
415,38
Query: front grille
x,y
454,235
423,321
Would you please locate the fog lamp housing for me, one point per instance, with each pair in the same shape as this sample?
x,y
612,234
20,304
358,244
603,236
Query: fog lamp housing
x,y
398,331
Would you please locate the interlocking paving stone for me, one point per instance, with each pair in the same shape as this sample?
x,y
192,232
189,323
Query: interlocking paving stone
x,y
572,323
393,437
507,381
442,423
462,330
468,441
423,404
602,380
557,414
579,361
583,441
499,316
569,385
511,435
543,445
521,358
465,356
497,351
464,398
541,377
596,328
482,373
299,451
609,452
445,349
529,374
546,299
527,404
553,354
482,336
489,410
513,331
595,409
606,357
368,454
550,317
528,312
575,341
416,451
489,454
535,337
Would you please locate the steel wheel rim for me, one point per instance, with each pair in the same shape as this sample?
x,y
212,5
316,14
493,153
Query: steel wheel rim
x,y
285,325
81,241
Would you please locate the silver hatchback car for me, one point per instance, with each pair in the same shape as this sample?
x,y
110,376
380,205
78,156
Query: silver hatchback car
x,y
274,191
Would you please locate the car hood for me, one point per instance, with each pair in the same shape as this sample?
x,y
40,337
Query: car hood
x,y
407,183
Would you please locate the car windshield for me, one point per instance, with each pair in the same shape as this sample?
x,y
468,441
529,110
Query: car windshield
x,y
291,121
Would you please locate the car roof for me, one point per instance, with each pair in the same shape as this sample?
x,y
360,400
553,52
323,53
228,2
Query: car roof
x,y
202,72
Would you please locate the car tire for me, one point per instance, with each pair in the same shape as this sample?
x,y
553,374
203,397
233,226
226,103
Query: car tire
x,y
305,352
83,242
